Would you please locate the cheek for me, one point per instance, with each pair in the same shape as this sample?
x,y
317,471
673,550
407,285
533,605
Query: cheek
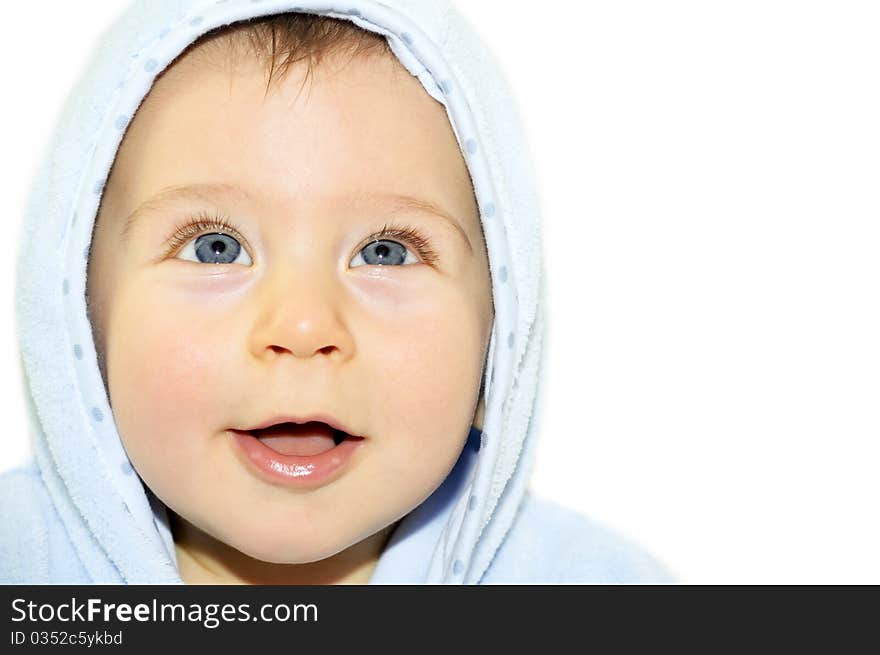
x,y
162,366
424,367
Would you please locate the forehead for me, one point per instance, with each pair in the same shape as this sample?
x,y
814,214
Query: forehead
x,y
347,126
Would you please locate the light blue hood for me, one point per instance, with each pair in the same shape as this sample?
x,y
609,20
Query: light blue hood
x,y
481,525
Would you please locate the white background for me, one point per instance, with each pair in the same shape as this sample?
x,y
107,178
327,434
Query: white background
x,y
710,174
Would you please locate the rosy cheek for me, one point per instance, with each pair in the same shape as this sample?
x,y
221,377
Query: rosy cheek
x,y
420,351
162,371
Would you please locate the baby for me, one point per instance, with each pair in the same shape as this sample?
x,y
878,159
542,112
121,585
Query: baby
x,y
301,340
293,246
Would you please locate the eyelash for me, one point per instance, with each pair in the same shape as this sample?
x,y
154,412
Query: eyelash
x,y
409,234
207,223
198,224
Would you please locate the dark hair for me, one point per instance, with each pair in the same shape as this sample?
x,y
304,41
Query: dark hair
x,y
283,40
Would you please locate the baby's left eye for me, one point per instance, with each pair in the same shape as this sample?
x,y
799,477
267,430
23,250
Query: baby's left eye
x,y
384,252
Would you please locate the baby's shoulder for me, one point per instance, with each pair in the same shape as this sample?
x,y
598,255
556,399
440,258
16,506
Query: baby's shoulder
x,y
552,544
24,538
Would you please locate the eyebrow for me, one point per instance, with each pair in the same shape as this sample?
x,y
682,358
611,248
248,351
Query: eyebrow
x,y
175,194
426,207
210,192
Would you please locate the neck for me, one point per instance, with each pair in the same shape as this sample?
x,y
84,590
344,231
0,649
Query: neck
x,y
202,559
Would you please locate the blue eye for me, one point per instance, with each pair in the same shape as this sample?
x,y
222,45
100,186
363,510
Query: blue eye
x,y
216,248
384,253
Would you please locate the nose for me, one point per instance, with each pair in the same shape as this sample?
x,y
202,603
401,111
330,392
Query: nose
x,y
301,315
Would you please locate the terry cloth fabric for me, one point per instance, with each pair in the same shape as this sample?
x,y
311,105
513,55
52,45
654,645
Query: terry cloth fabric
x,y
79,513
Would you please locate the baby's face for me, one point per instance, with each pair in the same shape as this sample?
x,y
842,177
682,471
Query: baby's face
x,y
293,313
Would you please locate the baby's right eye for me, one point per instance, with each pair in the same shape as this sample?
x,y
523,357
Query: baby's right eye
x,y
221,245
216,248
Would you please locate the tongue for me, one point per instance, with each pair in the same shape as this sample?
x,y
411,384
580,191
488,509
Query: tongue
x,y
290,439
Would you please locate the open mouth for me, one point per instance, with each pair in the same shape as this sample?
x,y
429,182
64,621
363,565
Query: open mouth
x,y
303,452
301,439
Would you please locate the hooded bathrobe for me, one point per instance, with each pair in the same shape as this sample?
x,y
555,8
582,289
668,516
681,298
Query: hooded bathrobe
x,y
79,513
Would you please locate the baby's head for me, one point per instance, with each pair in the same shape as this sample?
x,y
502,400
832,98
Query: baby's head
x,y
239,273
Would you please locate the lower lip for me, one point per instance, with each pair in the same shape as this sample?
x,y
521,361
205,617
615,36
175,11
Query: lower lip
x,y
307,471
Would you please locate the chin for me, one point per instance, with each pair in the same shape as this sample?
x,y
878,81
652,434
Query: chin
x,y
287,549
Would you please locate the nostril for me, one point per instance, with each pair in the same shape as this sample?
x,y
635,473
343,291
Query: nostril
x,y
279,350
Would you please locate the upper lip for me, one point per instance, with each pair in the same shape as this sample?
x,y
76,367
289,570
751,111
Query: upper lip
x,y
288,418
